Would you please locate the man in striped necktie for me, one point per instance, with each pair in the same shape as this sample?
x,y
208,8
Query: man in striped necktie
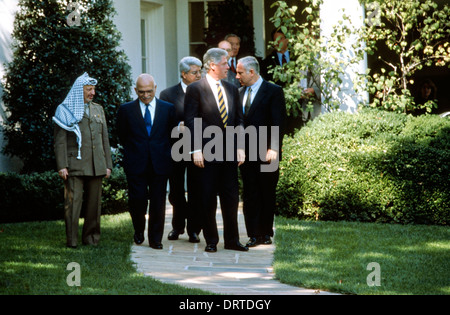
x,y
216,102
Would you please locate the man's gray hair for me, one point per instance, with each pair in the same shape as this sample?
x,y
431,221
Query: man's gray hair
x,y
250,62
232,35
187,62
213,55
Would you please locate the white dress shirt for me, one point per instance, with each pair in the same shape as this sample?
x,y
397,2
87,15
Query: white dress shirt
x,y
213,84
183,86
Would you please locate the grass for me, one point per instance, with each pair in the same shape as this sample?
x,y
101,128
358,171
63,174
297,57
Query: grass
x,y
34,259
334,256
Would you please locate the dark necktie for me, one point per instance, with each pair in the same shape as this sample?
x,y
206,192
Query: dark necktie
x,y
283,59
148,119
248,102
232,65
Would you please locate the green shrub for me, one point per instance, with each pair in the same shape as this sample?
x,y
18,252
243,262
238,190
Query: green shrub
x,y
40,196
372,166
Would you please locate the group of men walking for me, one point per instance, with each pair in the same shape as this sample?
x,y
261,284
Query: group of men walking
x,y
214,114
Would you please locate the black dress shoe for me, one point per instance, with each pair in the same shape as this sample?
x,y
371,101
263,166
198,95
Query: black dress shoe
x,y
211,248
237,246
265,240
193,238
173,235
139,238
252,242
156,245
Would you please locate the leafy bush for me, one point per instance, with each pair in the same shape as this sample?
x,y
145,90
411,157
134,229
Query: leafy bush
x,y
373,166
40,196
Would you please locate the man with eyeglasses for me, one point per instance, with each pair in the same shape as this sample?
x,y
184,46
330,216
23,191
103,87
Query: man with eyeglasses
x,y
144,128
185,212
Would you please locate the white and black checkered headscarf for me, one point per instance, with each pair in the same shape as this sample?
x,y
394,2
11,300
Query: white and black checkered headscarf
x,y
70,112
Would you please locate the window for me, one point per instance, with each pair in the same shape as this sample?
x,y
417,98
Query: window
x,y
198,21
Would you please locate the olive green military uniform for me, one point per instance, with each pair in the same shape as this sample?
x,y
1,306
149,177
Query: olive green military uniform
x,y
85,174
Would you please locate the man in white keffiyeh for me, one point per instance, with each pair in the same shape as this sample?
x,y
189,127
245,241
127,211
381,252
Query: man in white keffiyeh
x,y
83,158
70,112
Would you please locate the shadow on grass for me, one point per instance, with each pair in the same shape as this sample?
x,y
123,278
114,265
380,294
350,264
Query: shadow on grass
x,y
335,256
34,260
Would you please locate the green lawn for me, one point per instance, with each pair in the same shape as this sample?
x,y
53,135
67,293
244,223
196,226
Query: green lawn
x,y
34,259
322,255
334,256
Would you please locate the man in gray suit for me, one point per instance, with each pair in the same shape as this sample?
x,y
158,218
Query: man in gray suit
x,y
83,158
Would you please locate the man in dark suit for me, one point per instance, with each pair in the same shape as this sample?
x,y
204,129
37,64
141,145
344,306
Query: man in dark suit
x,y
144,128
278,57
264,106
183,210
210,106
232,50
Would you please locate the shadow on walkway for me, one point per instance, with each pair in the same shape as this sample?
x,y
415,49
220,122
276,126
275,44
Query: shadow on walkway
x,y
224,272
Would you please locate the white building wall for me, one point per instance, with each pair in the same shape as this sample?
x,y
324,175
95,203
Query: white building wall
x,y
331,12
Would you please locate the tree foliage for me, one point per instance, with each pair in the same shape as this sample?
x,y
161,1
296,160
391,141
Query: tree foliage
x,y
417,33
325,57
49,53
405,35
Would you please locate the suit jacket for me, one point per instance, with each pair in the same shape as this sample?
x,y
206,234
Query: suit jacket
x,y
95,149
200,102
139,147
175,95
267,109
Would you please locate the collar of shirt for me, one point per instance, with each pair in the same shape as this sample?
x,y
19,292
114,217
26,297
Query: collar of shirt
x,y
183,86
232,59
151,108
255,87
280,56
213,84
86,108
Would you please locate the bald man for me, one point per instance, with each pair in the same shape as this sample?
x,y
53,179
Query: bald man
x,y
144,127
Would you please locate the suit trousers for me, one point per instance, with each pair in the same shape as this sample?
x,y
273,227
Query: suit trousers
x,y
220,179
141,188
259,198
185,211
75,188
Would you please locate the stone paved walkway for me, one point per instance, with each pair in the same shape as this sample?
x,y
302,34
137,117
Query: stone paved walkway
x,y
224,272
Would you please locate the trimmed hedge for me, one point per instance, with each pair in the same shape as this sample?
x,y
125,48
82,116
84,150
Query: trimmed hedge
x,y
40,196
372,166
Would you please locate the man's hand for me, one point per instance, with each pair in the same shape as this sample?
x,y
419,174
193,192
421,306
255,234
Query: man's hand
x,y
271,155
240,156
108,173
63,173
198,159
181,126
309,92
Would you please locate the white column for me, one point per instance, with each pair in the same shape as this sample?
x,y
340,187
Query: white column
x,y
259,26
331,12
